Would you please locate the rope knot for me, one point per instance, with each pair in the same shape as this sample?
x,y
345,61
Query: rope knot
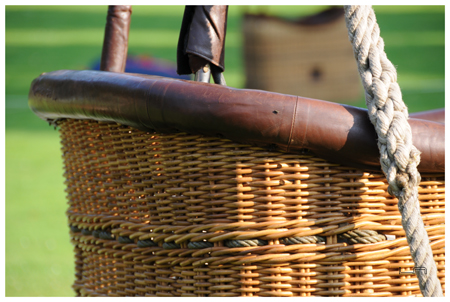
x,y
401,186
401,179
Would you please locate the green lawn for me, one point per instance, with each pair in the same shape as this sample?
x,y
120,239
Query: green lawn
x,y
38,254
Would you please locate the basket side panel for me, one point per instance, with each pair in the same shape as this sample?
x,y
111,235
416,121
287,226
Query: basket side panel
x,y
186,215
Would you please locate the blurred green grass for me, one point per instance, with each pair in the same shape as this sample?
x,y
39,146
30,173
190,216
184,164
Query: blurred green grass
x,y
38,253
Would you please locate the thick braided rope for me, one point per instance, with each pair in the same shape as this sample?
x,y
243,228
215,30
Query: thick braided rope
x,y
362,236
399,158
302,240
245,242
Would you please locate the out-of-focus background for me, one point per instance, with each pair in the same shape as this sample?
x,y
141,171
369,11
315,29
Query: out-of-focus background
x,y
38,253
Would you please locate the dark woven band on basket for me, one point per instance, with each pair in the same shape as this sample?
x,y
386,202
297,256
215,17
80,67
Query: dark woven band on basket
x,y
170,245
351,237
125,240
200,245
146,243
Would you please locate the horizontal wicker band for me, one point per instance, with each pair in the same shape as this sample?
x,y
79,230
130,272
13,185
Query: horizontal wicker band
x,y
353,237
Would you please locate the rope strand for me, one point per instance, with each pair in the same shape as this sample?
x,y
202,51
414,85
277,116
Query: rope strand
x,y
398,157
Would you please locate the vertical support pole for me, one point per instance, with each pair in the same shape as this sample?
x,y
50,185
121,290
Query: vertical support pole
x,y
115,43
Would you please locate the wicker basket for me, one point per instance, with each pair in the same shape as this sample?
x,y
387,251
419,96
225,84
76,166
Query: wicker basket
x,y
160,215
187,215
301,58
185,211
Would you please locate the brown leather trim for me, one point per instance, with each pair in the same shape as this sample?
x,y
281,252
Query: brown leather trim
x,y
339,133
115,43
436,115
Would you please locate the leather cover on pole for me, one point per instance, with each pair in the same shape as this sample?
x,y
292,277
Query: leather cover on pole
x,y
202,34
115,44
339,133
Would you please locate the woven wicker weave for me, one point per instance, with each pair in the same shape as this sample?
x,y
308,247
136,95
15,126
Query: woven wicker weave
x,y
159,214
